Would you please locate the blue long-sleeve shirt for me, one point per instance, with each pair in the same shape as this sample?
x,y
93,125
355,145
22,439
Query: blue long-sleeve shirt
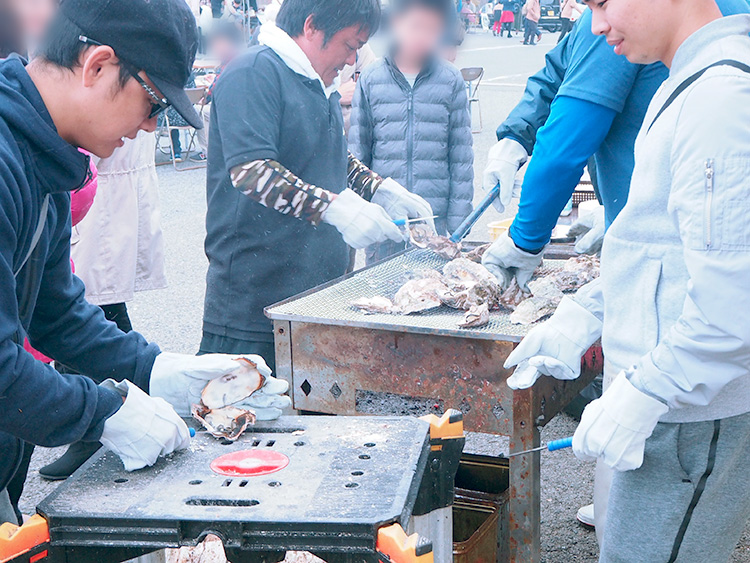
x,y
585,100
41,298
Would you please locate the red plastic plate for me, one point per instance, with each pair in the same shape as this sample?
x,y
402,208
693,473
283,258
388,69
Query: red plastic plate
x,y
249,463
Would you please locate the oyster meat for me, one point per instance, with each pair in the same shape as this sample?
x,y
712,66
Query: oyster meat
x,y
216,411
227,422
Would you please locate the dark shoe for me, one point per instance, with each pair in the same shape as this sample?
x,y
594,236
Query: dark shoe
x,y
71,460
178,157
198,157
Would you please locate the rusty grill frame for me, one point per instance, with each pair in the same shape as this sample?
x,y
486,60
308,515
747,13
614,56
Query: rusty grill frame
x,y
329,357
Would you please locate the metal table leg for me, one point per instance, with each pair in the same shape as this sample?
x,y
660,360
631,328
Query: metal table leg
x,y
525,484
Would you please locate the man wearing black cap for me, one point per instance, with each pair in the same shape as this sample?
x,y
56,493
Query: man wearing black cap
x,y
104,72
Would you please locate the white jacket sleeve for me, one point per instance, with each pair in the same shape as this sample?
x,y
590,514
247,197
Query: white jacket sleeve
x,y
591,298
709,344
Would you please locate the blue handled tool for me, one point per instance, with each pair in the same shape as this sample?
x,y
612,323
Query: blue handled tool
x,y
552,446
468,223
402,222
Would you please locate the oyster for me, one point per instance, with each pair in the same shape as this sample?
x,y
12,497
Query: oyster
x,y
226,422
476,254
215,411
577,272
423,236
476,316
513,296
418,295
371,305
545,298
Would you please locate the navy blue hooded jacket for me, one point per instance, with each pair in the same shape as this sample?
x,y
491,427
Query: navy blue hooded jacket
x,y
44,300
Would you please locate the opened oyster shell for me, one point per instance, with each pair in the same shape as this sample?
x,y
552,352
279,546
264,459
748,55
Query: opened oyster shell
x,y
216,411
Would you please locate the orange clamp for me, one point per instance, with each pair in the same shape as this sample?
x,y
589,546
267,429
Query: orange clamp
x,y
450,425
17,540
400,548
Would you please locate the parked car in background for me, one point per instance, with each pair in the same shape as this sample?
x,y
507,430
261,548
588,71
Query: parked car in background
x,y
550,19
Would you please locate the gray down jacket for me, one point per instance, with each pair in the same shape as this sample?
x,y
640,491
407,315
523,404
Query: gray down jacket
x,y
420,137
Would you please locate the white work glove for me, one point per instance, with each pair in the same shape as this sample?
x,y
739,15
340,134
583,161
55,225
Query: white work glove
x,y
143,429
555,347
179,379
503,163
506,261
269,401
360,222
400,203
616,426
589,232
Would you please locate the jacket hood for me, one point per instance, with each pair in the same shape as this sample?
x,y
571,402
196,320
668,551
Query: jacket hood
x,y
59,166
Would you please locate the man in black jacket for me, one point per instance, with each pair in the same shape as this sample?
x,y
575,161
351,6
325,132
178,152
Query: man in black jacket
x,y
105,70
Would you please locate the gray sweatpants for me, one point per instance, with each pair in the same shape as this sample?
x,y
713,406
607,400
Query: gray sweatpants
x,y
7,514
688,502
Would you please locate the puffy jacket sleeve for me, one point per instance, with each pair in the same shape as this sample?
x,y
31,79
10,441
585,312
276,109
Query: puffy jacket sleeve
x,y
532,111
708,346
461,158
360,131
38,404
71,330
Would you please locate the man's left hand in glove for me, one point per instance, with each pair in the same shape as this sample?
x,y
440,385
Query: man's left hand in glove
x,y
616,426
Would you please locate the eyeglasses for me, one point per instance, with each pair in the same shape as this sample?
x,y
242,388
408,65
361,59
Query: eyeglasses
x,y
159,104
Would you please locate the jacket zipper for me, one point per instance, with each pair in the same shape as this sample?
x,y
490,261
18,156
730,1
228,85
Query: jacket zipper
x,y
709,173
410,140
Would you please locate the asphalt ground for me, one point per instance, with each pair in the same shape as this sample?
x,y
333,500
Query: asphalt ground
x,y
172,317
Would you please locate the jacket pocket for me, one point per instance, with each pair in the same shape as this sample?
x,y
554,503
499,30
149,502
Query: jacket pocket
x,y
733,176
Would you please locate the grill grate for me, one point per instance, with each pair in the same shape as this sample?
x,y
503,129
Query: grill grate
x,y
330,304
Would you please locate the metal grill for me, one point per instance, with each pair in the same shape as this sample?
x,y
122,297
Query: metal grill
x,y
330,304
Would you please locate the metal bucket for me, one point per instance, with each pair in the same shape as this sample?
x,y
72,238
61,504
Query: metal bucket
x,y
480,511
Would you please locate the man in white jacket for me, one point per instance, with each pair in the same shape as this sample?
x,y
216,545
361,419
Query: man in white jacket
x,y
670,306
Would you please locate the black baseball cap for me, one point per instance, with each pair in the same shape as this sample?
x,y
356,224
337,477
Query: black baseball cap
x,y
159,37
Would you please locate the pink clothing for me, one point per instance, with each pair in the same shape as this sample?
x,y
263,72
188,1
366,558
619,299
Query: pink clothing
x,y
533,11
82,200
571,9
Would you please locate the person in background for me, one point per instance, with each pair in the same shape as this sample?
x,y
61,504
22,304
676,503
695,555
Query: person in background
x,y
410,118
569,13
497,17
224,44
277,158
532,11
33,17
348,81
11,38
507,18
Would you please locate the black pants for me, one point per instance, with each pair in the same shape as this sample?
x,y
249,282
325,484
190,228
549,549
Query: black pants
x,y
262,346
506,27
567,25
175,134
529,37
